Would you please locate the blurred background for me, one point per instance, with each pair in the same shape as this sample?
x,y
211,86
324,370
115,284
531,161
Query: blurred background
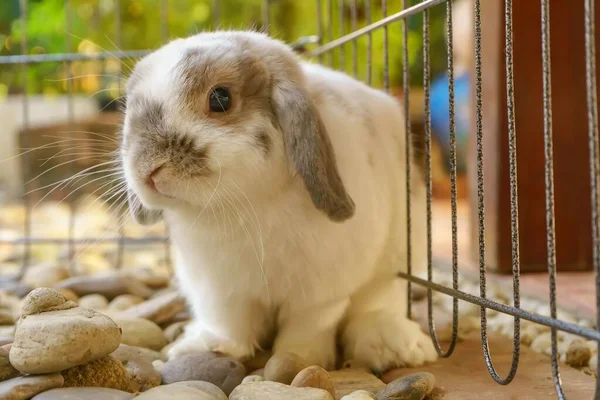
x,y
60,119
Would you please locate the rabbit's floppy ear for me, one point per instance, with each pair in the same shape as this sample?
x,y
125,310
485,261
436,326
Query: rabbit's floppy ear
x,y
309,150
141,214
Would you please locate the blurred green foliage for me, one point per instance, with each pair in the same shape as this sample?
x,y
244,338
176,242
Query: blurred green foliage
x,y
108,25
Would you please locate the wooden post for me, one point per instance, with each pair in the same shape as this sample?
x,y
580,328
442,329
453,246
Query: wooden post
x,y
569,117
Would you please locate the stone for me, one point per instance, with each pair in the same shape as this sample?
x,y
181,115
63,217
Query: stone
x,y
25,387
52,341
158,310
204,387
140,368
173,331
258,372
283,367
124,301
107,372
18,289
277,391
69,294
259,361
359,395
409,387
109,286
350,380
542,343
43,300
84,393
45,275
253,378
141,333
315,377
158,364
149,278
93,301
7,371
578,354
224,372
126,351
4,340
6,317
182,316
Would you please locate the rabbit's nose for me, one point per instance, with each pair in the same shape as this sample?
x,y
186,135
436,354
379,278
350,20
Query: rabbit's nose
x,y
151,179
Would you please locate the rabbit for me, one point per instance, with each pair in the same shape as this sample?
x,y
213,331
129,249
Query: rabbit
x,y
283,185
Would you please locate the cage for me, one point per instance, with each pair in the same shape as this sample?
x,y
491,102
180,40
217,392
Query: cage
x,y
470,74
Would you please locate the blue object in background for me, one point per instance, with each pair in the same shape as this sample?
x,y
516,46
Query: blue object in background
x,y
440,116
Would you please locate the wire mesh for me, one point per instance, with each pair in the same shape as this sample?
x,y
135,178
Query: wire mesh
x,y
324,52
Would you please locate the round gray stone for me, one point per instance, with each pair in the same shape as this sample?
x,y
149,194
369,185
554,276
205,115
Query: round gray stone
x,y
84,393
409,387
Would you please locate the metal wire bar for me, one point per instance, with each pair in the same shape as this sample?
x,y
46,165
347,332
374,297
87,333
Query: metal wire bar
x,y
265,16
128,240
329,4
216,14
592,111
452,126
165,36
367,30
119,44
428,183
342,29
369,43
481,206
386,50
59,57
549,178
513,212
164,20
354,26
70,118
26,197
408,155
319,17
590,334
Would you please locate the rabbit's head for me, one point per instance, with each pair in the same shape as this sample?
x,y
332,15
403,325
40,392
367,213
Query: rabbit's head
x,y
219,111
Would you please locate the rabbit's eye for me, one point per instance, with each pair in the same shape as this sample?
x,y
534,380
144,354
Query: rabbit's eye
x,y
220,99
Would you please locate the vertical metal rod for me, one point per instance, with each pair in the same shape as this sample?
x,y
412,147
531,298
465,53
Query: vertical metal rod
x,y
452,126
408,145
427,127
342,9
549,178
319,16
369,42
592,111
481,207
265,16
329,30
119,45
26,124
354,26
512,139
164,17
386,50
70,117
216,14
164,20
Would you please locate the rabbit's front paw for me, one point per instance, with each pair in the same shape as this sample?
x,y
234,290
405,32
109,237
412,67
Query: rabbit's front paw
x,y
197,340
385,340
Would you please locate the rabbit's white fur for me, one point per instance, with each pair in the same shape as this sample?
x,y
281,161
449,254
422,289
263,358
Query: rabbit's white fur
x,y
256,258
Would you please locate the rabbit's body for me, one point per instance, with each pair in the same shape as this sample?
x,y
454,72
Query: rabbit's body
x,y
256,257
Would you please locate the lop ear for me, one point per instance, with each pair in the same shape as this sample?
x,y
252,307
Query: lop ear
x,y
141,214
309,150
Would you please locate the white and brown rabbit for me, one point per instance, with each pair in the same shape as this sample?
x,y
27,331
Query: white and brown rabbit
x,y
283,184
